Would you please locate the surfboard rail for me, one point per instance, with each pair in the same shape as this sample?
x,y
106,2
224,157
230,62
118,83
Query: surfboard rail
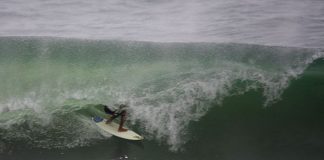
x,y
112,128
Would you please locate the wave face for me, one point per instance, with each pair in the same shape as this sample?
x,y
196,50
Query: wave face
x,y
51,87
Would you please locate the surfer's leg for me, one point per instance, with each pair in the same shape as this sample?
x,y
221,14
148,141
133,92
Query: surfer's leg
x,y
113,117
110,112
110,119
122,121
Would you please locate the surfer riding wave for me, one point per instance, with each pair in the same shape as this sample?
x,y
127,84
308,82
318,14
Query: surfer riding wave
x,y
121,111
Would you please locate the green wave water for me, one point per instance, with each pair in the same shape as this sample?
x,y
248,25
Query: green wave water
x,y
50,88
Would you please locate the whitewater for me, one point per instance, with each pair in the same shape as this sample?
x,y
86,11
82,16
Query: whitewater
x,y
203,79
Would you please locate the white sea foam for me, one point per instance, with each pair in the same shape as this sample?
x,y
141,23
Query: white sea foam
x,y
167,113
164,94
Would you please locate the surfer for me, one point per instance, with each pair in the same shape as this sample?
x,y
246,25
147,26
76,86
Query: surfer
x,y
116,113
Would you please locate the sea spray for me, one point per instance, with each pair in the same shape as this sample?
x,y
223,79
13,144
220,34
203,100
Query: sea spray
x,y
48,83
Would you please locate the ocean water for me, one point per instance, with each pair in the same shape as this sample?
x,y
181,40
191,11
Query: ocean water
x,y
224,80
184,98
272,22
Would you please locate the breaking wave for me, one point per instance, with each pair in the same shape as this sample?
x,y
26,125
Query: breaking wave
x,y
52,86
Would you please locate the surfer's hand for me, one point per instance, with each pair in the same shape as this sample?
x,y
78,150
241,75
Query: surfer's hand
x,y
122,106
115,113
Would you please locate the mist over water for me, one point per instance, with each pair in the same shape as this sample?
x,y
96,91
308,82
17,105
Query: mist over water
x,y
204,79
272,22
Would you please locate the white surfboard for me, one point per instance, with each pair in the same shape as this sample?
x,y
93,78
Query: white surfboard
x,y
112,128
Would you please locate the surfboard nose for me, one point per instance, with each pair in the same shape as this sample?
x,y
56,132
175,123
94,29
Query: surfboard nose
x,y
139,137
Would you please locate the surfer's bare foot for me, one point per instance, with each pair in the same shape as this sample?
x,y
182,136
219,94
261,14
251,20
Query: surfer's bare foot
x,y
122,130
